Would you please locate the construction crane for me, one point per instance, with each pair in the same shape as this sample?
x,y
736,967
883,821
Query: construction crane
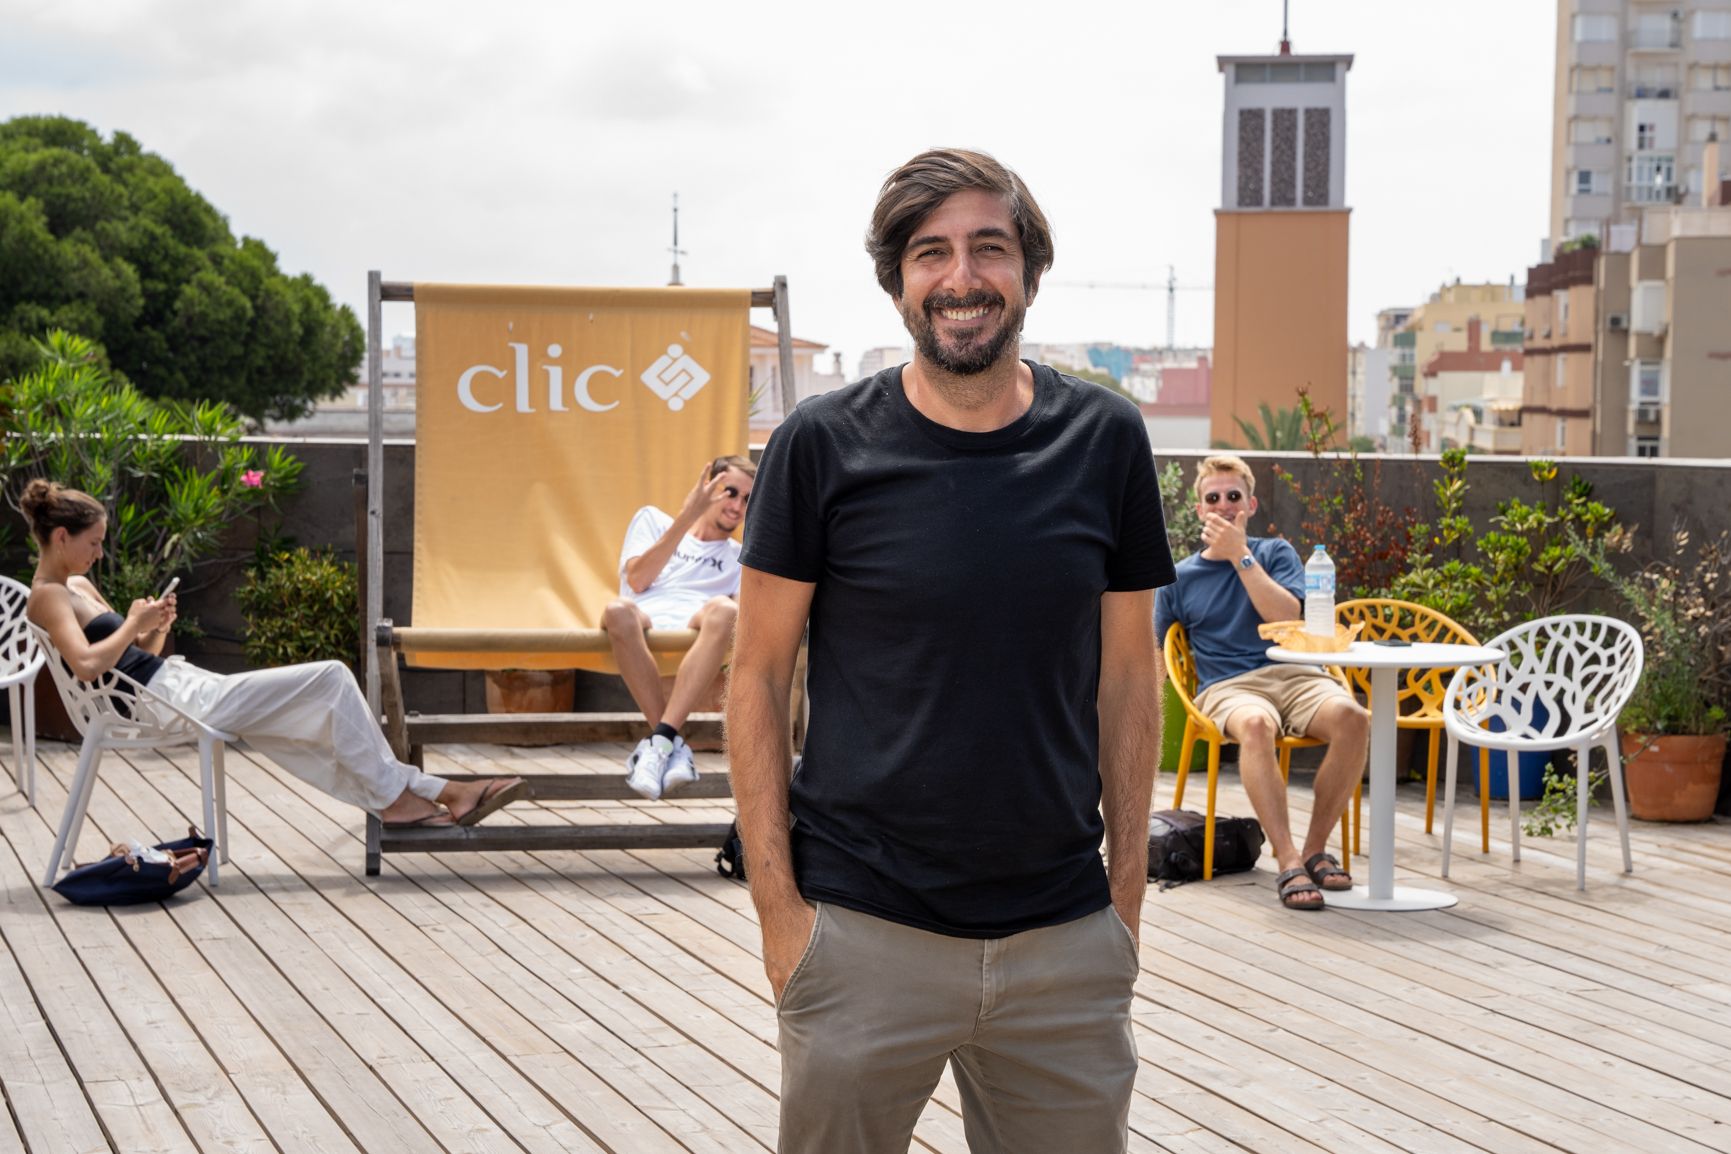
x,y
1171,288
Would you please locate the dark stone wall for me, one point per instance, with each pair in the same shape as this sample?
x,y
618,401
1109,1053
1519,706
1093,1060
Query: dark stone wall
x,y
1652,494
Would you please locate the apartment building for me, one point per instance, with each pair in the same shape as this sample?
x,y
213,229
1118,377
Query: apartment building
x,y
1663,375
1641,86
1471,397
1559,368
1442,324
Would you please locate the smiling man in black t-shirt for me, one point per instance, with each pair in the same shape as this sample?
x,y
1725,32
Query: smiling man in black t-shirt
x,y
974,542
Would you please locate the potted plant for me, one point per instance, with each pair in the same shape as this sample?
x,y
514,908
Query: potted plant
x,y
1674,725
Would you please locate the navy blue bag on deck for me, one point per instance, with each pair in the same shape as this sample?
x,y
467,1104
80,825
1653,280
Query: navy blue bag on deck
x,y
123,879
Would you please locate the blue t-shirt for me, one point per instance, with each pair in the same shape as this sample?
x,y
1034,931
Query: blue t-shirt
x,y
1209,600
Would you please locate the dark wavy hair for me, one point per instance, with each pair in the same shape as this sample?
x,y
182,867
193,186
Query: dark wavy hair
x,y
916,189
49,505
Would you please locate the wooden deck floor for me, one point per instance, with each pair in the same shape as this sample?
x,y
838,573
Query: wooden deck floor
x,y
614,1001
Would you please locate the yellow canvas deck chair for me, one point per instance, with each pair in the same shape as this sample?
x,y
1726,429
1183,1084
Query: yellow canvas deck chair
x,y
545,417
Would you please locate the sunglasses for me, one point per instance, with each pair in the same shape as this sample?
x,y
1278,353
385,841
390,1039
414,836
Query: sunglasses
x,y
732,491
1231,497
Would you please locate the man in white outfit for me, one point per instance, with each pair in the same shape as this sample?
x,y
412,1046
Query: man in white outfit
x,y
678,572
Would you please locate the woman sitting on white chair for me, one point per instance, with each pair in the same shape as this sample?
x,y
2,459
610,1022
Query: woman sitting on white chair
x,y
310,719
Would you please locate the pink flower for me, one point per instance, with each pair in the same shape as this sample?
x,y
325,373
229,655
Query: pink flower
x,y
252,478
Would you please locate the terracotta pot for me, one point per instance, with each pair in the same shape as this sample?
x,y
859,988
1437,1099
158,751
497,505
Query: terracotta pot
x,y
530,690
1672,778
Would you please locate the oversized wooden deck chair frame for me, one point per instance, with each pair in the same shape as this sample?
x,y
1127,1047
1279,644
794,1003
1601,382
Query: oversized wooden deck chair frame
x,y
408,733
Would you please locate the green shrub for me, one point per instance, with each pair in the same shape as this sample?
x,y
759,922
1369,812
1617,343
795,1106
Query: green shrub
x,y
173,475
300,605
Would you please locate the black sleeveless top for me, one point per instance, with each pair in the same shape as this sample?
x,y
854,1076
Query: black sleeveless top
x,y
135,662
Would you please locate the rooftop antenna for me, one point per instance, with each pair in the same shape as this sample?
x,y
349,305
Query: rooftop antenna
x,y
676,250
1171,305
1285,40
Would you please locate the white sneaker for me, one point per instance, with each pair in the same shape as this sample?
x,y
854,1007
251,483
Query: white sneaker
x,y
643,769
681,768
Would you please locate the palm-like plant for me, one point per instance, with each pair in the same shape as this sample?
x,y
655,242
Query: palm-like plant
x,y
1282,430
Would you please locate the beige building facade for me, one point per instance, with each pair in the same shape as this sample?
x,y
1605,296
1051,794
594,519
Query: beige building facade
x,y
1640,87
1441,325
1558,383
1663,377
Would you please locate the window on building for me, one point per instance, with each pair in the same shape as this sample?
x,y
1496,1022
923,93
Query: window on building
x,y
1655,80
1563,316
1712,24
1646,136
1593,78
1590,130
1562,434
1558,362
1651,178
1645,445
1701,127
1592,182
1658,30
1710,77
1648,385
1594,28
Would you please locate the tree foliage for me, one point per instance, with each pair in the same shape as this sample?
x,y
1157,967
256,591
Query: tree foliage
x,y
106,240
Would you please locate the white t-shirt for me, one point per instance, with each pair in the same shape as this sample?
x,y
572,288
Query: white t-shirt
x,y
697,571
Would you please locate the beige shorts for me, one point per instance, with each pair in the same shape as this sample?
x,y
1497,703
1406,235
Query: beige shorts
x,y
1290,694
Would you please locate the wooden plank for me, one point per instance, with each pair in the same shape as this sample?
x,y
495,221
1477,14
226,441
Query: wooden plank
x,y
497,836
605,787
547,728
393,290
291,1113
113,1076
575,642
52,1113
575,980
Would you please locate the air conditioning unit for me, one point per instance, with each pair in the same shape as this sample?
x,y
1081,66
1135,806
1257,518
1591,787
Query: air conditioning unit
x,y
1646,414
1617,322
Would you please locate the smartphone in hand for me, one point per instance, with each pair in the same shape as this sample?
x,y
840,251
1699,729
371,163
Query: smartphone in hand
x,y
171,587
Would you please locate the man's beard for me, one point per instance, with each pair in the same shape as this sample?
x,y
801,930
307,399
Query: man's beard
x,y
976,354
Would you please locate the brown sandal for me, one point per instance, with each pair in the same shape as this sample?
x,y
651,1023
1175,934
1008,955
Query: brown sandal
x,y
1324,869
1293,884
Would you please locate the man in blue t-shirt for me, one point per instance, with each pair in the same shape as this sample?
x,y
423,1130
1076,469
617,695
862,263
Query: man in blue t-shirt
x,y
1233,584
973,541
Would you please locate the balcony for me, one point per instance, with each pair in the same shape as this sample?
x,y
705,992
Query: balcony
x,y
1655,39
1496,438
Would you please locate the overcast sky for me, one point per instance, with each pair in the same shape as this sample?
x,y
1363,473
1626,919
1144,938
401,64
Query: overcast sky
x,y
519,142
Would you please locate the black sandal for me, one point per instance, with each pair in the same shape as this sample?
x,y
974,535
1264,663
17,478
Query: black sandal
x,y
1324,869
1294,883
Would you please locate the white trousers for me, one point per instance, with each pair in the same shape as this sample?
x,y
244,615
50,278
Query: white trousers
x,y
310,719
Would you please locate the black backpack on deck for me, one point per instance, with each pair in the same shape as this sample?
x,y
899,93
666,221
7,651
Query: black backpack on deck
x,y
1175,845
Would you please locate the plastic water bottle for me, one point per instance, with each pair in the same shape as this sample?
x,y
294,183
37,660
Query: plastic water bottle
x,y
1319,593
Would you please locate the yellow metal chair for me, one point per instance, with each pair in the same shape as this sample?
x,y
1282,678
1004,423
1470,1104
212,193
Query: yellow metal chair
x,y
1181,670
1420,696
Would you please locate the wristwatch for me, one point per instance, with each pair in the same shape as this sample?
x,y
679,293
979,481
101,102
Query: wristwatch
x,y
1248,561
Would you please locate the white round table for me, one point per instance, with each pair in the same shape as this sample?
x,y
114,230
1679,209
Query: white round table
x,y
1384,662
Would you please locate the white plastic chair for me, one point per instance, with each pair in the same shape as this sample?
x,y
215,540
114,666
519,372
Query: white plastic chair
x,y
20,659
108,713
1583,669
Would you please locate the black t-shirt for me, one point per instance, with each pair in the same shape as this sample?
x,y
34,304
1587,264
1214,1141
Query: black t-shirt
x,y
950,778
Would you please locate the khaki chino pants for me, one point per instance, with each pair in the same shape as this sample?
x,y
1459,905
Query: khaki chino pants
x,y
1036,1027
